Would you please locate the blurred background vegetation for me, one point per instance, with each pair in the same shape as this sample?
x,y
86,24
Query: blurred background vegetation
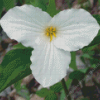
x,y
82,84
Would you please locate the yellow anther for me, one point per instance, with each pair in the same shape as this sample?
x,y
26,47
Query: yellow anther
x,y
51,31
50,37
47,29
47,34
51,28
54,34
54,29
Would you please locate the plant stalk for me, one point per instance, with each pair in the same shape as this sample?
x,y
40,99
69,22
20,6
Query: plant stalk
x,y
65,89
73,61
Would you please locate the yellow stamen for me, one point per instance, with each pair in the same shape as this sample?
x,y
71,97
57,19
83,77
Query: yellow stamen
x,y
51,28
47,34
51,31
54,34
47,29
50,37
54,29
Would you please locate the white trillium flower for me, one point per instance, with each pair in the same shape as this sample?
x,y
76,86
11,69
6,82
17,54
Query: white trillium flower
x,y
51,38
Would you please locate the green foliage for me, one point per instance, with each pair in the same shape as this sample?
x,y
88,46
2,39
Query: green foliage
x,y
45,1
97,17
19,46
88,48
28,1
96,40
99,2
43,92
68,82
73,61
84,70
48,94
85,99
93,66
21,1
94,61
76,75
1,6
85,55
17,85
23,91
62,97
57,87
69,3
39,3
93,44
51,9
82,1
9,4
15,66
51,96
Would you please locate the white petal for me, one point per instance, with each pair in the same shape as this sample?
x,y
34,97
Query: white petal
x,y
76,28
25,23
49,64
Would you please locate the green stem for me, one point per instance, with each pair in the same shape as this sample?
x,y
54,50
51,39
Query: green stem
x,y
73,61
99,2
65,89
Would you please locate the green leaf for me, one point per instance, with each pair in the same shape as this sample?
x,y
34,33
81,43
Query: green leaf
x,y
85,99
1,6
21,1
57,87
68,82
19,46
23,91
51,96
51,9
62,97
17,85
82,1
15,66
88,48
97,17
93,66
93,44
43,92
76,75
28,1
73,61
9,4
86,56
94,61
99,2
84,70
39,3
45,1
1,69
96,40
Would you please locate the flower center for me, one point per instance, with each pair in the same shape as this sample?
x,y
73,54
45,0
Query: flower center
x,y
50,32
